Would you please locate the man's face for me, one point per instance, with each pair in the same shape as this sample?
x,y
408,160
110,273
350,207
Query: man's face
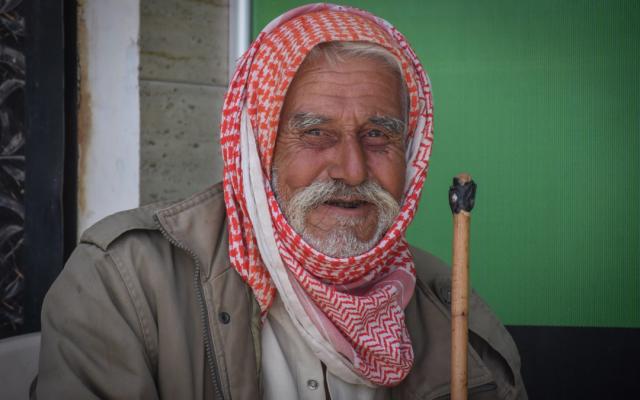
x,y
339,166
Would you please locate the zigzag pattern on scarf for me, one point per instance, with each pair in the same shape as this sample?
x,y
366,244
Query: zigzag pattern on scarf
x,y
373,324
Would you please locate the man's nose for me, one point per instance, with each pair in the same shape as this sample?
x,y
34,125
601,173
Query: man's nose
x,y
350,163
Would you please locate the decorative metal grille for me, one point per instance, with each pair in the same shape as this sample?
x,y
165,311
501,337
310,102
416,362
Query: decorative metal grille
x,y
12,166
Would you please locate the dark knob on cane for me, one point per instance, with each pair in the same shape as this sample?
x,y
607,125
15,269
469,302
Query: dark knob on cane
x,y
462,194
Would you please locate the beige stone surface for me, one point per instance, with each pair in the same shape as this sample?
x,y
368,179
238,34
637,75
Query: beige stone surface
x,y
184,41
180,149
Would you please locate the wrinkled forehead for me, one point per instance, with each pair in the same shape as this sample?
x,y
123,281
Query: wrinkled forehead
x,y
330,56
284,50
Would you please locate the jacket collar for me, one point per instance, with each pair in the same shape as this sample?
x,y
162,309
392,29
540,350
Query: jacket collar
x,y
198,225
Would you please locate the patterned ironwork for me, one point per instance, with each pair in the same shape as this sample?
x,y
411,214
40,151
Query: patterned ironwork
x,y
12,165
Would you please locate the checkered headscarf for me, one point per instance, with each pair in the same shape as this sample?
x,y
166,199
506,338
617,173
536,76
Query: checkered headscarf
x,y
361,338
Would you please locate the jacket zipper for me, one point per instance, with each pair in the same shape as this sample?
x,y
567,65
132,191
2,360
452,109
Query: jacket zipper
x,y
204,314
474,390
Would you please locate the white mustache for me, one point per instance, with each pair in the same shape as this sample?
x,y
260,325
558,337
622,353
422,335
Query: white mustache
x,y
320,192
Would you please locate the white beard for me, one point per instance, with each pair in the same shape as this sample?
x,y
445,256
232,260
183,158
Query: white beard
x,y
342,241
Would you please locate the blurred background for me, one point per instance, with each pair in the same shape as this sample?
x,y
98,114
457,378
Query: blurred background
x,y
111,104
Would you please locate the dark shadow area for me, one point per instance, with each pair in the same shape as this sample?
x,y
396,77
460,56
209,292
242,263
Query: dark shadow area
x,y
12,167
579,363
38,72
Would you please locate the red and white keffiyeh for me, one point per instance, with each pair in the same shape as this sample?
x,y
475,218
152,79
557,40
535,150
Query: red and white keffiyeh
x,y
349,310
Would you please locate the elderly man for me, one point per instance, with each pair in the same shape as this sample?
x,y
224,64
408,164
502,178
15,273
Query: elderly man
x,y
293,279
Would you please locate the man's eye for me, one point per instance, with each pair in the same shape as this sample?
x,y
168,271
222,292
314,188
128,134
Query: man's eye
x,y
313,132
376,139
317,137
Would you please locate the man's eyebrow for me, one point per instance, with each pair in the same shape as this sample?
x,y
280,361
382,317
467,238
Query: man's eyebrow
x,y
305,120
391,124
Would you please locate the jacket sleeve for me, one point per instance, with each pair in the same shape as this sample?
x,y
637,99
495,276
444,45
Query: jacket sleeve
x,y
94,333
495,346
487,335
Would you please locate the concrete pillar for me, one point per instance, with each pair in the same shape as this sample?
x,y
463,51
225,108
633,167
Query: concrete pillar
x,y
183,78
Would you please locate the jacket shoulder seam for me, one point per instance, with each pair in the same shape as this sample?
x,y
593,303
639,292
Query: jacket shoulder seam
x,y
178,207
108,230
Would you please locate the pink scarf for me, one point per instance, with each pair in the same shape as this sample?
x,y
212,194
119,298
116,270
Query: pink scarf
x,y
350,311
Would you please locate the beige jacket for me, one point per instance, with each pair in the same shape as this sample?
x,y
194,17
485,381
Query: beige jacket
x,y
149,307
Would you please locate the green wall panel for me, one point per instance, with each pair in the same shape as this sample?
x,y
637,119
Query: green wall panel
x,y
540,102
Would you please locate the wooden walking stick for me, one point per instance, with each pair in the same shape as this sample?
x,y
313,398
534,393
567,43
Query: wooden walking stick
x,y
461,199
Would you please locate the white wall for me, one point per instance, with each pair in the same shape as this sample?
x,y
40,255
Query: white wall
x,y
109,109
